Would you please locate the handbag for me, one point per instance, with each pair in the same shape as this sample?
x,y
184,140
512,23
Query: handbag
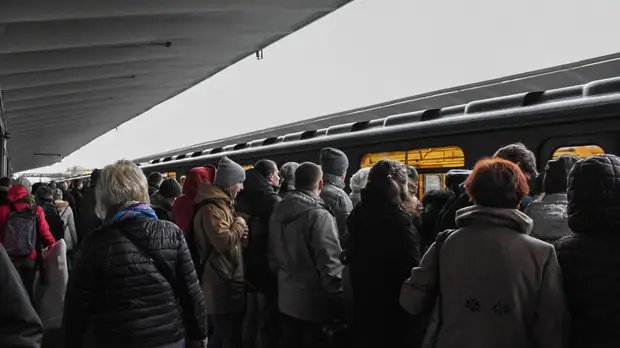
x,y
434,324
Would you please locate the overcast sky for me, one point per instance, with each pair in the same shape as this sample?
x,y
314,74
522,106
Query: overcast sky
x,y
370,51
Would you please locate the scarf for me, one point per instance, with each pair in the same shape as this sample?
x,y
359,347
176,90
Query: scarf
x,y
131,209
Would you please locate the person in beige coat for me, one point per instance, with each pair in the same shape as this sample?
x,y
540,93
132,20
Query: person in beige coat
x,y
499,286
221,236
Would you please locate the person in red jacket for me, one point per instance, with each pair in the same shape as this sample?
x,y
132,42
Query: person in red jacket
x,y
26,267
183,209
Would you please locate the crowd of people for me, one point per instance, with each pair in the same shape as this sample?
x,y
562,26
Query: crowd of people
x,y
284,257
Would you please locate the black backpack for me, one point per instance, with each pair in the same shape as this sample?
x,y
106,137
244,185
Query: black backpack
x,y
192,243
57,227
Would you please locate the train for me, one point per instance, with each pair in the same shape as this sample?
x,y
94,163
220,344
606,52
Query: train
x,y
583,120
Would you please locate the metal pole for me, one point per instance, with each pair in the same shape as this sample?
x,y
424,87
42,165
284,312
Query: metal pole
x,y
4,137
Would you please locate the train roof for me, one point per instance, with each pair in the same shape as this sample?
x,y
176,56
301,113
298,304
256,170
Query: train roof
x,y
524,108
540,80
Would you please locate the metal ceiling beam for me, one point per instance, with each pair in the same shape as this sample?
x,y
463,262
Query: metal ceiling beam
x,y
44,36
12,11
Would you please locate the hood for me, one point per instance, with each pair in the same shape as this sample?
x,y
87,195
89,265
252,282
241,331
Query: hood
x,y
207,190
197,176
330,179
255,183
60,204
296,204
17,192
508,218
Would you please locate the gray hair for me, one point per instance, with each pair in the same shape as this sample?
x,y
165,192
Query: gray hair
x,y
287,173
120,183
358,180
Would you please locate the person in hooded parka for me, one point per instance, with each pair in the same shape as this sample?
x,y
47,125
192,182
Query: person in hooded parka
x,y
590,254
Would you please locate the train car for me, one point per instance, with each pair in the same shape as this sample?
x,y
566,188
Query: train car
x,y
583,120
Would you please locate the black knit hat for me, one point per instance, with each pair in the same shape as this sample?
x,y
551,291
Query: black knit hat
x,y
170,188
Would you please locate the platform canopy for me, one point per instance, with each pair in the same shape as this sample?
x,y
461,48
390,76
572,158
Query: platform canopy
x,y
72,70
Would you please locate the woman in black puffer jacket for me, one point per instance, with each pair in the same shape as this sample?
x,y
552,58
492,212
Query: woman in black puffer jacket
x,y
133,283
590,255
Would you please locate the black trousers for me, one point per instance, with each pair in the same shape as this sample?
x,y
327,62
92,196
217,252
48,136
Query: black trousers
x,y
228,331
27,270
297,333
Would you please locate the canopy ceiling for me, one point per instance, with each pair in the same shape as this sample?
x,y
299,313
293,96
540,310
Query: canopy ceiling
x,y
72,70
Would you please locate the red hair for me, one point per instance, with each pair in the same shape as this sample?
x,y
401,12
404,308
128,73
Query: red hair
x,y
497,183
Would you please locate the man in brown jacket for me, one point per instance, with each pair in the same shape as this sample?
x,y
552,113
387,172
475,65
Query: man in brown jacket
x,y
221,237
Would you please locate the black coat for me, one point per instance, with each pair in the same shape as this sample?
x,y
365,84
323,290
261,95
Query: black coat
x,y
590,256
118,293
87,218
255,204
20,325
382,249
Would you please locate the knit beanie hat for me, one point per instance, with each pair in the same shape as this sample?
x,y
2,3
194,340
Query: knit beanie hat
x,y
57,194
228,173
23,181
287,173
556,173
170,188
334,161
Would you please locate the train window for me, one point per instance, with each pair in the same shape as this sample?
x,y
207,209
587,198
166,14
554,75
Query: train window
x,y
247,166
434,157
424,160
170,175
579,151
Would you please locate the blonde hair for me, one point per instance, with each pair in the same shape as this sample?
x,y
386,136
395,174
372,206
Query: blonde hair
x,y
120,183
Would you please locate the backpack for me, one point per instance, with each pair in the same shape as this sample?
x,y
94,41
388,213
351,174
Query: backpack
x,y
20,233
57,227
192,243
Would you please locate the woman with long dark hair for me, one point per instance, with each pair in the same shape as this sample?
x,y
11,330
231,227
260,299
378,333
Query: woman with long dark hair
x,y
382,248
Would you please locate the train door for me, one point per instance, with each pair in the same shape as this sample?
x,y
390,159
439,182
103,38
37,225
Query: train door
x,y
432,164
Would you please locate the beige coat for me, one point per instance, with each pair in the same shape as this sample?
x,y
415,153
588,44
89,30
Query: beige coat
x,y
220,236
500,287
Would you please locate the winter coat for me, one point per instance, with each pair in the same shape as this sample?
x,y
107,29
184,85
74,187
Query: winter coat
x,y
66,215
383,247
162,207
220,240
549,216
87,217
183,208
590,255
16,196
116,292
304,252
500,287
355,198
337,200
20,325
255,205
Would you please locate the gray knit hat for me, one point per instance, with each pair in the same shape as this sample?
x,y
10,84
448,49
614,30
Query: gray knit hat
x,y
334,161
57,194
287,173
228,173
23,181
